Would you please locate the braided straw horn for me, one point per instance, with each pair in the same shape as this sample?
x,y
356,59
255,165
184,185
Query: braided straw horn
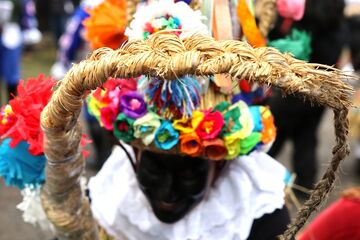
x,y
166,56
267,13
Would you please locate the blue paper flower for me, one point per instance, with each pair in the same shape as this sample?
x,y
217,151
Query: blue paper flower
x,y
18,167
256,116
166,136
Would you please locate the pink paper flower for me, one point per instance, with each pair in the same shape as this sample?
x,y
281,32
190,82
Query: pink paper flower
x,y
293,9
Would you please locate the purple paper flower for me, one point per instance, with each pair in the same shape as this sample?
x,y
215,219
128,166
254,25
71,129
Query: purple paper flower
x,y
133,105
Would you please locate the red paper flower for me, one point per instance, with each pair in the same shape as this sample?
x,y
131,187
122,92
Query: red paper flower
x,y
83,143
108,116
26,107
210,126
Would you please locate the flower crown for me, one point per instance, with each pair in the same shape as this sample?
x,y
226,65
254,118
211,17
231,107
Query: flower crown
x,y
169,115
187,115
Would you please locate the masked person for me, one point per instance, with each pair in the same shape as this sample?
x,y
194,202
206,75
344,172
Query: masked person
x,y
18,27
196,168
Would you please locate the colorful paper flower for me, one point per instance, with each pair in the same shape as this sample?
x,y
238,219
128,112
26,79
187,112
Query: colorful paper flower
x,y
123,128
190,144
249,143
127,85
232,144
210,126
108,116
215,149
269,132
106,24
188,125
7,119
19,167
145,127
26,108
246,121
165,14
166,137
133,105
256,117
94,106
293,9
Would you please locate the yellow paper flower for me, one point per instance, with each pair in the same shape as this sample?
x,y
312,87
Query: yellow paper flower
x,y
188,125
246,119
94,107
232,144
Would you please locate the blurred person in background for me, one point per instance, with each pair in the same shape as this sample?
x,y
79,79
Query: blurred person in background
x,y
72,47
18,27
61,11
338,221
352,13
296,119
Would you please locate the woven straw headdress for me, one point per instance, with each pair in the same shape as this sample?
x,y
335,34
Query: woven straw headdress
x,y
166,57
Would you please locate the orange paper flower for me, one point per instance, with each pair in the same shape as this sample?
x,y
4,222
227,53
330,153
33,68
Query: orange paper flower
x,y
190,144
215,149
269,131
106,25
248,25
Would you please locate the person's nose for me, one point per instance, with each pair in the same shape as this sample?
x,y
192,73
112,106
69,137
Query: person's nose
x,y
168,191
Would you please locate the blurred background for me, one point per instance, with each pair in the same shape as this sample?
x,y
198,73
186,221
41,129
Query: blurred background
x,y
39,57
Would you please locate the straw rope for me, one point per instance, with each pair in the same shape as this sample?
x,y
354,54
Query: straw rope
x,y
267,14
166,56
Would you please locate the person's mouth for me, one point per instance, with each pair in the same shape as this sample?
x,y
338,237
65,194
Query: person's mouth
x,y
168,206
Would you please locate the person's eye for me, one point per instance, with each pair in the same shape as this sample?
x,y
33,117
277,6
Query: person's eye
x,y
188,174
154,170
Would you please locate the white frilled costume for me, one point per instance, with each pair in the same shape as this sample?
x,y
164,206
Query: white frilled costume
x,y
252,186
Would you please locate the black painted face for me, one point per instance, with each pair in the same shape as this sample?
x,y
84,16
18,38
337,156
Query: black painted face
x,y
172,184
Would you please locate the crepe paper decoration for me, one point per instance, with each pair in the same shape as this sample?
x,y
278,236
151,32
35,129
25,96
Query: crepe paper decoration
x,y
25,112
19,167
166,15
145,127
215,149
248,25
293,9
174,98
191,145
32,210
166,137
105,27
298,43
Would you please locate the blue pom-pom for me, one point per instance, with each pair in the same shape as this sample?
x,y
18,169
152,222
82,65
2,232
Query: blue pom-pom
x,y
18,167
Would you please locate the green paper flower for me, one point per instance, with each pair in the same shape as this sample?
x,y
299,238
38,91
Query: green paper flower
x,y
247,144
123,128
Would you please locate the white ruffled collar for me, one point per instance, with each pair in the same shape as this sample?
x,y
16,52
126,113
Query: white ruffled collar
x,y
252,187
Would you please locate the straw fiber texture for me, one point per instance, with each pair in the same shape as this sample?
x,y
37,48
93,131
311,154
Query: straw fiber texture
x,y
166,56
267,13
